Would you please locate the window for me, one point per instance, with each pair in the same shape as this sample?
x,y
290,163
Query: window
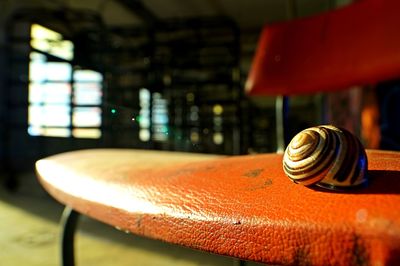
x,y
63,101
158,121
144,115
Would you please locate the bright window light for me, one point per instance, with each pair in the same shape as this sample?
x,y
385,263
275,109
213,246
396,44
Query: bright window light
x,y
58,71
86,117
57,93
87,133
51,42
56,108
49,132
144,114
86,75
49,115
87,93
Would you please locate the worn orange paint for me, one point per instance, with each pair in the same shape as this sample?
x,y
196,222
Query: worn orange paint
x,y
241,206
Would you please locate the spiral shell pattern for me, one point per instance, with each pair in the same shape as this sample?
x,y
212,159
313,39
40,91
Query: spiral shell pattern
x,y
326,156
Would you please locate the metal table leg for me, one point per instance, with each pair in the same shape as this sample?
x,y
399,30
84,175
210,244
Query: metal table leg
x,y
238,262
69,221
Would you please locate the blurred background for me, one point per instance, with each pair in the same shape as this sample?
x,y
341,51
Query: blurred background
x,y
163,75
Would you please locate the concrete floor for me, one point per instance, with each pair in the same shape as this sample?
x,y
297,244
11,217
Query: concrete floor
x,y
29,235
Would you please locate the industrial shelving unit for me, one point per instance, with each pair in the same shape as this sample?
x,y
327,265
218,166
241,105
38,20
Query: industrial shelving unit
x,y
190,71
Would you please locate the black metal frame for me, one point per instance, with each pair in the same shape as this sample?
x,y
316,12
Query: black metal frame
x,y
69,222
281,118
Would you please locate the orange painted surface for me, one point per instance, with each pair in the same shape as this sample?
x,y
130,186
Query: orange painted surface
x,y
354,45
241,206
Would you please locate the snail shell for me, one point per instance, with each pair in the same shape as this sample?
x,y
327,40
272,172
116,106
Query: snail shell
x,y
326,156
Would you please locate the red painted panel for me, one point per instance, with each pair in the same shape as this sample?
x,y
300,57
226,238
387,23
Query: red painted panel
x,y
355,45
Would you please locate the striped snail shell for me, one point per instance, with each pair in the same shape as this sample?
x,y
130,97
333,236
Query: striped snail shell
x,y
326,156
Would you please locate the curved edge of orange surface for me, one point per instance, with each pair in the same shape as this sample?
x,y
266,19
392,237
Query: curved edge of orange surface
x,y
239,206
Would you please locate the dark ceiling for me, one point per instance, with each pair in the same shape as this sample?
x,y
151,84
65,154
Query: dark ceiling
x,y
249,14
